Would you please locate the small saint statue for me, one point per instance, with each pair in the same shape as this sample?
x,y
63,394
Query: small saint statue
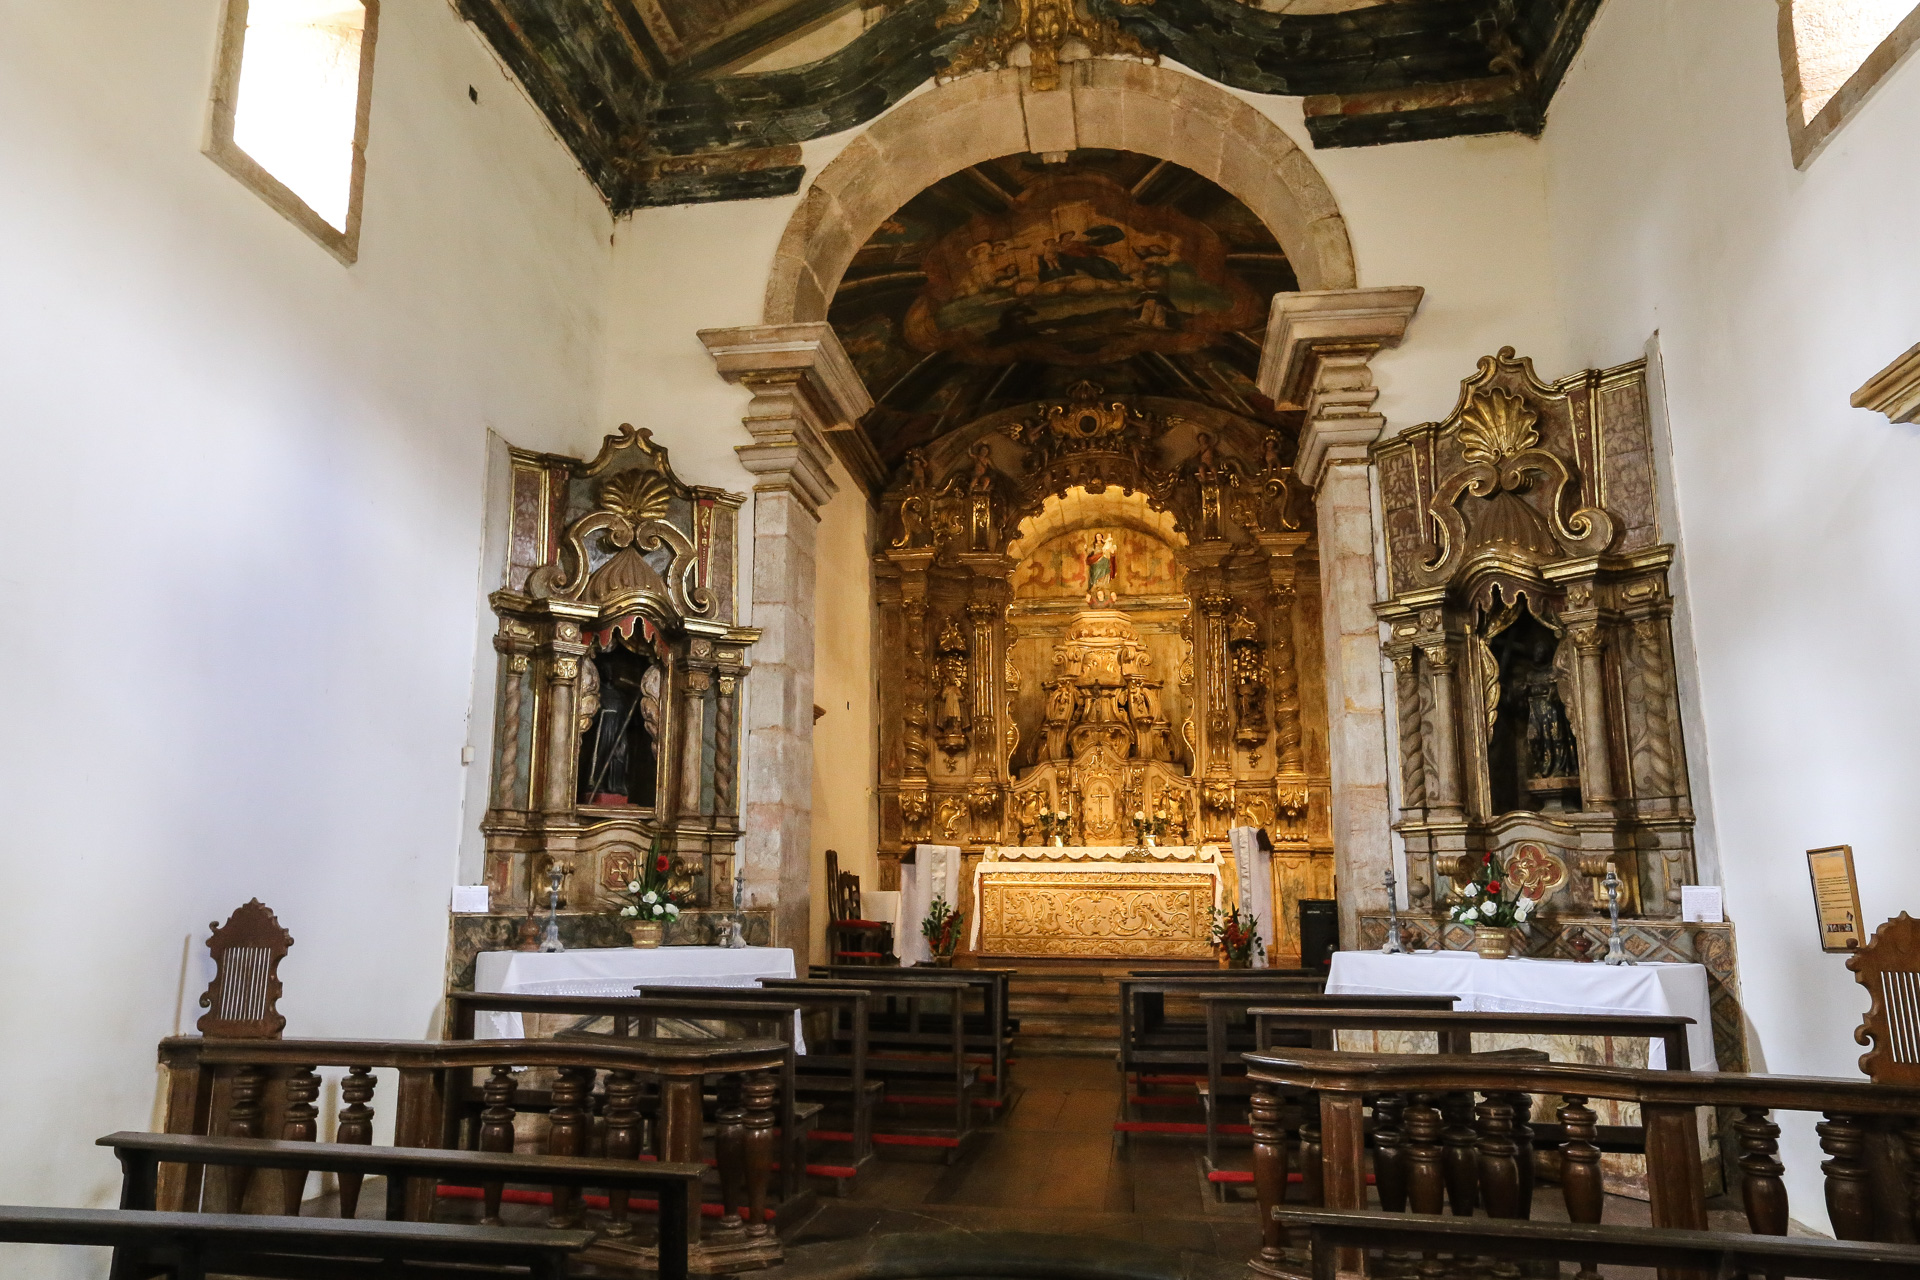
x,y
1103,563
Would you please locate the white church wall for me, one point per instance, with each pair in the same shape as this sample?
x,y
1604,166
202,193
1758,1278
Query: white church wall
x,y
243,503
1675,207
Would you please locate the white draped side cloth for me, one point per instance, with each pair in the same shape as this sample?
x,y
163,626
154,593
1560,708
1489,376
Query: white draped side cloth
x,y
616,971
1519,985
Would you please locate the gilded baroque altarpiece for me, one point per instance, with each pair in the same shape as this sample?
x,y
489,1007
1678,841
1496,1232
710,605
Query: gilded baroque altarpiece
x,y
618,702
1101,606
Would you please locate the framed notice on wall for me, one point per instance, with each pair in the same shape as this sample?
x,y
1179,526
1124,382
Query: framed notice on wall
x,y
1836,898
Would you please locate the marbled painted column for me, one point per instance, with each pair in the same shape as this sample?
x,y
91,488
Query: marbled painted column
x,y
1316,358
803,387
1596,766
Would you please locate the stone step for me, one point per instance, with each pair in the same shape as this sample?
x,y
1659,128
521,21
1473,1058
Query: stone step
x,y
1065,1046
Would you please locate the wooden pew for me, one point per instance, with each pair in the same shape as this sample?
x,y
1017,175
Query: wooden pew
x,y
827,1072
1149,1037
921,1023
1707,1253
1224,1043
255,1088
988,1032
1298,1026
638,1014
192,1246
1864,1202
674,1186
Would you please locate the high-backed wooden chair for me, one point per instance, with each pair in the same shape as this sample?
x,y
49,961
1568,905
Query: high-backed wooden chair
x,y
1889,968
850,938
243,999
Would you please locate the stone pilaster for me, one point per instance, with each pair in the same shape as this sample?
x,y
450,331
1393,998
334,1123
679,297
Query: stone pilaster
x,y
1316,358
805,391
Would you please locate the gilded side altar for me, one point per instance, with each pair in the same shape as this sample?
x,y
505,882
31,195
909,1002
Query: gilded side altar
x,y
1098,902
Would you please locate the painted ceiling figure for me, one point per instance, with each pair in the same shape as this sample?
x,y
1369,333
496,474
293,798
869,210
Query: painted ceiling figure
x,y
1103,564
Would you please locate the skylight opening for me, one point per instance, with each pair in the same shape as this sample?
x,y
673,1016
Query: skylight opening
x,y
289,110
1833,53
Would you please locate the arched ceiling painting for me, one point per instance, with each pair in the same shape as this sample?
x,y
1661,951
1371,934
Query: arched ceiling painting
x,y
1011,281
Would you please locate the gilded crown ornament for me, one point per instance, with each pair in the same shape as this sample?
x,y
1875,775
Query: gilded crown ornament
x,y
1044,26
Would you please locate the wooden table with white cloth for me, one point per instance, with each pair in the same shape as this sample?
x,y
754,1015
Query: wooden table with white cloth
x,y
615,971
1521,985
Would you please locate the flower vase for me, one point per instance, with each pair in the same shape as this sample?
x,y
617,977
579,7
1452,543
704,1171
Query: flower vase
x,y
943,962
1057,842
1492,944
646,933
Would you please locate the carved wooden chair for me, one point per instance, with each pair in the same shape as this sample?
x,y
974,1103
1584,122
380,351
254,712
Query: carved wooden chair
x,y
242,1001
850,938
1889,968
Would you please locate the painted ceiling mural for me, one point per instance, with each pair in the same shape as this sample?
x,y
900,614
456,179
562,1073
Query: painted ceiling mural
x,y
1014,280
679,101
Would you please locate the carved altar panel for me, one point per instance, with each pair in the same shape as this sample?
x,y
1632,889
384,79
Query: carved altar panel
x,y
1061,912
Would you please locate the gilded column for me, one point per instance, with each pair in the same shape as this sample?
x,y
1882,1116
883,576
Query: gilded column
x,y
563,671
1596,763
1441,745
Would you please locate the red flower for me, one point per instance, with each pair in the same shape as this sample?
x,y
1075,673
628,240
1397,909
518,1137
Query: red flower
x,y
661,863
1493,886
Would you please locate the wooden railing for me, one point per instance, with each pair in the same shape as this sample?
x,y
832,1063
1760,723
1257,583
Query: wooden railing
x,y
1865,1201
268,1088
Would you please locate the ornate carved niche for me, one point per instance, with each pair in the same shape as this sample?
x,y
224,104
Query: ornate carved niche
x,y
1529,617
621,669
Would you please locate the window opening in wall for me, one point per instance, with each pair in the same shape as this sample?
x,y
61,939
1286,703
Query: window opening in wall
x,y
1833,53
290,109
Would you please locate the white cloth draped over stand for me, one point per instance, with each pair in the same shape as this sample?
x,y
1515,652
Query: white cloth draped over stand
x,y
933,873
1253,867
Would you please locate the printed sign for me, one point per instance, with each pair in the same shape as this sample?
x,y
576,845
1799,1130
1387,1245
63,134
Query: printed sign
x,y
1836,898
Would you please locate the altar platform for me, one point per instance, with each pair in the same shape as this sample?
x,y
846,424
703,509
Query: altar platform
x,y
1098,901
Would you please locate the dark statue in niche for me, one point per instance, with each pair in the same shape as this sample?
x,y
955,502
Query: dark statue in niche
x,y
619,754
1532,757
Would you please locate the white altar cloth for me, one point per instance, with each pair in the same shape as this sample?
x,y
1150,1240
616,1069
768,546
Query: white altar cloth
x,y
1521,985
615,971
1169,866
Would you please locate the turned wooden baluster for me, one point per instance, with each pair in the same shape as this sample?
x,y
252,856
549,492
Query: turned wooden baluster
x,y
730,1151
356,1127
243,1121
1389,1152
1462,1162
623,1140
566,1133
1581,1183
496,1133
1426,1158
1762,1190
1522,1105
759,1093
1849,1198
301,1125
1499,1156
1269,1175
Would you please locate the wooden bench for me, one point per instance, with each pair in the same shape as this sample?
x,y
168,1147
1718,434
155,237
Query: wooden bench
x,y
252,1088
1176,1045
1702,1253
673,1186
192,1246
925,1045
988,1033
1868,1196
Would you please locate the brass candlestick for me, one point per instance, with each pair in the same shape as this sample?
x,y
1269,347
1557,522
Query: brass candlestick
x,y
1616,951
550,941
1392,946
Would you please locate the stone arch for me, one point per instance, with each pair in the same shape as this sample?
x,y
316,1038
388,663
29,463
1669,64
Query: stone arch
x,y
1103,102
